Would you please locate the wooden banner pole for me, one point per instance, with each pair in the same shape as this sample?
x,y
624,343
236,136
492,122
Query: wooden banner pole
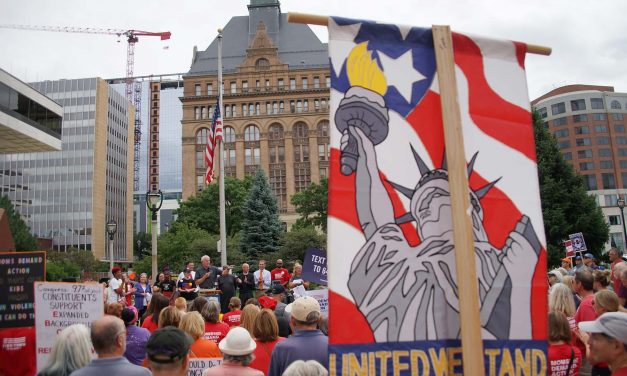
x,y
467,285
314,19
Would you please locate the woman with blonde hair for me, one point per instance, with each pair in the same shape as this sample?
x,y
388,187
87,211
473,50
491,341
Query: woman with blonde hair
x,y
249,314
602,279
266,335
569,281
71,351
193,324
561,300
181,304
170,316
561,351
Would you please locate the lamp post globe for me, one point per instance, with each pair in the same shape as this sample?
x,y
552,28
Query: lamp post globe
x,y
112,228
621,205
154,200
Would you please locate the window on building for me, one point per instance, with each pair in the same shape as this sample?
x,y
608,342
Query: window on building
x,y
598,116
233,87
323,128
600,128
596,103
542,112
619,128
230,159
197,113
615,105
209,89
328,81
614,220
621,140
267,84
608,181
323,152
587,153
292,84
251,156
244,109
568,156
584,166
227,111
229,134
303,83
262,64
251,133
203,112
280,84
606,164
590,181
299,106
292,106
605,153
275,107
559,121
281,107
580,118
578,104
622,152
257,108
622,164
623,176
234,110
316,105
257,85
275,132
244,86
316,82
200,182
269,108
301,130
251,109
305,105
197,90
563,144
617,239
610,200
617,117
583,142
558,108
201,144
603,140
561,133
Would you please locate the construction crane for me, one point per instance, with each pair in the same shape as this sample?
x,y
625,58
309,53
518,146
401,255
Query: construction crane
x,y
133,89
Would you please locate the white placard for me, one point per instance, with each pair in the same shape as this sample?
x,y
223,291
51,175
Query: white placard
x,y
197,365
322,296
59,305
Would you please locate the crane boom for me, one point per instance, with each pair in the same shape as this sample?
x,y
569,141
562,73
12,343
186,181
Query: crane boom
x,y
133,89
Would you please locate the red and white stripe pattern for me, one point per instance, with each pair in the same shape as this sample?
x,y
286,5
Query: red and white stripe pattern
x,y
215,134
496,122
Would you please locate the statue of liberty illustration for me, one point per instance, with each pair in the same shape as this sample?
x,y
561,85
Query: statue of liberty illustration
x,y
409,292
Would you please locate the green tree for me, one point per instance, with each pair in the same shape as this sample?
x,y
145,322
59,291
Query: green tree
x,y
296,242
145,244
566,206
72,264
261,229
202,211
23,239
311,203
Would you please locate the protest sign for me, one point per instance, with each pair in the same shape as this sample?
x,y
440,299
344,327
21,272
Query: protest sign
x,y
315,266
59,305
197,365
322,296
18,271
394,287
578,242
570,252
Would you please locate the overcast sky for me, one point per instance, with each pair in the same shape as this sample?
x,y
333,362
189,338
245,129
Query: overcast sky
x,y
589,38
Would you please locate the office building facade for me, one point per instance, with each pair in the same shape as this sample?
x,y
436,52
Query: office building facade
x,y
69,195
589,123
276,104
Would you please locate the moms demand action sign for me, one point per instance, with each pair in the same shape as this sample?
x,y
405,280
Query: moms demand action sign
x,y
59,305
18,271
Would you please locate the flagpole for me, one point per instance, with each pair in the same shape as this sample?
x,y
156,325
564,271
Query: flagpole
x,y
221,177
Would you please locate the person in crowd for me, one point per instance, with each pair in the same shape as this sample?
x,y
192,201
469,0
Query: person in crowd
x,y
170,316
307,342
245,283
198,304
283,324
116,289
136,337
187,286
262,279
569,281
253,301
142,294
308,368
583,285
151,317
266,335
277,292
115,309
249,315
280,275
108,337
215,330
167,286
297,284
71,351
167,352
129,289
607,341
561,300
237,348
579,265
588,261
564,358
602,279
554,277
232,318
207,275
616,257
621,273
155,285
323,325
227,283
189,265
567,265
193,324
181,304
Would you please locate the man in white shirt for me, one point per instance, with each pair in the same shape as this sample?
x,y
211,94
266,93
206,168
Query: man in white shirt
x,y
115,286
263,279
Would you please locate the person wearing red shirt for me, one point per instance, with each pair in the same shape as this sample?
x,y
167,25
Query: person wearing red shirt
x,y
564,358
215,330
608,341
280,273
266,334
232,318
584,281
615,259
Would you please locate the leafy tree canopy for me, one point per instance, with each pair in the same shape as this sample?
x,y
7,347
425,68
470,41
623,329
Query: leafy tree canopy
x,y
311,203
23,239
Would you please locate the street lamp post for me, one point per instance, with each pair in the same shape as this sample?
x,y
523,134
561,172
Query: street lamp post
x,y
621,206
112,227
153,202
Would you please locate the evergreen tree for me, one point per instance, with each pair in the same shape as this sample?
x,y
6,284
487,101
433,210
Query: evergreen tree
x,y
261,229
23,239
566,206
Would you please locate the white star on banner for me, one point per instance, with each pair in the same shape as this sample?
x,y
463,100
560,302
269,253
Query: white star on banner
x,y
341,43
400,73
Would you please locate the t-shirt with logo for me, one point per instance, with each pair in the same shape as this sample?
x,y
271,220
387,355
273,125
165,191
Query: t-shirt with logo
x,y
232,318
215,331
559,357
280,274
167,288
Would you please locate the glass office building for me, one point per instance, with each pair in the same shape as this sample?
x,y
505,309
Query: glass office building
x,y
69,195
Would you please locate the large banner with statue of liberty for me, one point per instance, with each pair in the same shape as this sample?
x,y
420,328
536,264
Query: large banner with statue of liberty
x,y
393,304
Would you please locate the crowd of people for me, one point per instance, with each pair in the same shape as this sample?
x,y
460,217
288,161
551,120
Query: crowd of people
x,y
157,328
588,317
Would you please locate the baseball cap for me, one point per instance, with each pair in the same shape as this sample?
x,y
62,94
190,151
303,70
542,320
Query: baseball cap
x,y
237,342
167,345
566,259
578,258
276,289
267,302
613,324
588,255
556,273
302,307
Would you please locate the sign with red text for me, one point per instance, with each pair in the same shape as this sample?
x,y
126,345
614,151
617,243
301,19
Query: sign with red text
x,y
18,271
59,305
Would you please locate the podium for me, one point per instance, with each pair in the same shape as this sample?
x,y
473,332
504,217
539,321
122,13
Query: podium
x,y
210,294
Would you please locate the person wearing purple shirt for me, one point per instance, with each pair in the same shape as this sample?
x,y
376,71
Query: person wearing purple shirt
x,y
136,337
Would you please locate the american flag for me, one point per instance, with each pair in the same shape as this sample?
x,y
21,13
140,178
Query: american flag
x,y
215,134
496,123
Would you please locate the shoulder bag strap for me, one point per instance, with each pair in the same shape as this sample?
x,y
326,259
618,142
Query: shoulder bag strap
x,y
570,363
